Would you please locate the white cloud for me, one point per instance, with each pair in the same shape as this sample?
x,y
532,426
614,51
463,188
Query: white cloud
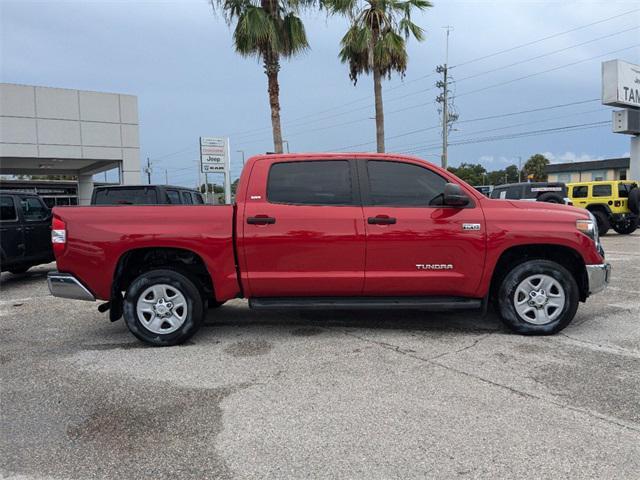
x,y
568,157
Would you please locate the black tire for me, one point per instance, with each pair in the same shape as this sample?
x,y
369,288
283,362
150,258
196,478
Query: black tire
x,y
20,269
603,222
550,198
184,286
626,227
510,283
634,200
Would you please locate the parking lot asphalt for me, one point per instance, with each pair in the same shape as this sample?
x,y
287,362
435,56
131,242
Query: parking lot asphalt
x,y
321,394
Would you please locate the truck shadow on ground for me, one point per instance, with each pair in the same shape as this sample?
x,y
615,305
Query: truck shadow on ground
x,y
308,323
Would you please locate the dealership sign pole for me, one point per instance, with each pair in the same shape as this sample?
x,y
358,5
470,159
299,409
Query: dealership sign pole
x,y
621,88
214,158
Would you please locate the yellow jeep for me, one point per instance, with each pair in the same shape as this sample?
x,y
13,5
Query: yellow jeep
x,y
614,204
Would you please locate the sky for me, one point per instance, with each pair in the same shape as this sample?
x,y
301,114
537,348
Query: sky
x,y
177,57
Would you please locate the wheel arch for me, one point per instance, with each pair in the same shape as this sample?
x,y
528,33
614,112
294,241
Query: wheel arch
x,y
602,207
134,262
563,255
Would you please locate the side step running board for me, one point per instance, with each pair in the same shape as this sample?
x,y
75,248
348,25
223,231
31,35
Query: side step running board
x,y
338,303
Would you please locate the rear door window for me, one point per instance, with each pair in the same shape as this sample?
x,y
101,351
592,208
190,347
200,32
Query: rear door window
x,y
8,212
197,199
624,189
602,190
310,183
580,191
33,210
514,192
174,197
499,193
126,196
186,198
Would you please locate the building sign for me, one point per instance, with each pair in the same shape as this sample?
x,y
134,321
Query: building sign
x,y
620,84
214,154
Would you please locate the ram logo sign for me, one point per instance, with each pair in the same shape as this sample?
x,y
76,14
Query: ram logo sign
x,y
434,266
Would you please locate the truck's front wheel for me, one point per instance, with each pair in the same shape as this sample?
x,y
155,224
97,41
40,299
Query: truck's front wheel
x,y
538,297
163,308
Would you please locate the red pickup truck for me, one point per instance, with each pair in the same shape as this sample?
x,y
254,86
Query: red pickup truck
x,y
324,231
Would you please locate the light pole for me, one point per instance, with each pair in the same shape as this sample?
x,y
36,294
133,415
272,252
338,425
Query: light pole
x,y
287,142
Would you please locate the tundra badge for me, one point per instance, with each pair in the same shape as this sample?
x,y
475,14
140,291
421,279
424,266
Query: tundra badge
x,y
471,226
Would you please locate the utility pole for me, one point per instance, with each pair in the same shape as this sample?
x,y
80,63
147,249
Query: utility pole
x,y
242,152
287,142
443,98
148,171
166,177
519,169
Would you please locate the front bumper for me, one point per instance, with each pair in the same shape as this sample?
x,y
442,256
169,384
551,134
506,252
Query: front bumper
x,y
66,285
598,276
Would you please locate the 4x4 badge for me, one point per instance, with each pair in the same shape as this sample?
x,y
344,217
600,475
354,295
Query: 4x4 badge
x,y
471,226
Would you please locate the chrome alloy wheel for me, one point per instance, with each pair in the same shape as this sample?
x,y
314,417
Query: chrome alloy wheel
x,y
162,309
539,299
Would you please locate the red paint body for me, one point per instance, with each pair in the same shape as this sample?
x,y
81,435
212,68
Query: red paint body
x,y
321,250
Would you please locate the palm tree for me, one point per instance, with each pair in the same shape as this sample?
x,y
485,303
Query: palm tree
x,y
269,30
376,42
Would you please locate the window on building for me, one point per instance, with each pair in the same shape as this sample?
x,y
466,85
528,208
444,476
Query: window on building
x,y
7,209
310,183
564,177
622,174
403,184
602,190
581,191
598,175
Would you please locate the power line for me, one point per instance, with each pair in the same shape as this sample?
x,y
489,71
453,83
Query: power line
x,y
549,37
532,133
478,119
546,71
548,54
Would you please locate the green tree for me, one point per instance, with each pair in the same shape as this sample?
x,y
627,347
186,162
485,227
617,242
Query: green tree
x,y
268,30
473,174
536,166
376,42
511,173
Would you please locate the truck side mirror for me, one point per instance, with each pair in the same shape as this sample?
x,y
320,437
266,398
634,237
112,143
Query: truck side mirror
x,y
454,196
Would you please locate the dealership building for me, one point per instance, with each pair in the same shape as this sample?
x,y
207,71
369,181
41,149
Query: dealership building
x,y
55,131
591,171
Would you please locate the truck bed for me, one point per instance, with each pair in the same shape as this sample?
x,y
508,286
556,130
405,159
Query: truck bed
x,y
97,237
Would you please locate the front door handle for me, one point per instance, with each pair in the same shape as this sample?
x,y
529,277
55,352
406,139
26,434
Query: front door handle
x,y
381,220
261,220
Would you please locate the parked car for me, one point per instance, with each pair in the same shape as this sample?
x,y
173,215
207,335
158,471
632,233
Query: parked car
x,y
25,231
484,189
145,195
533,191
614,204
375,231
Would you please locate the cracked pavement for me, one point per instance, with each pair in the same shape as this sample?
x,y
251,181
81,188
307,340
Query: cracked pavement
x,y
321,394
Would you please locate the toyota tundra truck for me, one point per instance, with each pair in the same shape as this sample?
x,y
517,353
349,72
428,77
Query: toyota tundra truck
x,y
331,231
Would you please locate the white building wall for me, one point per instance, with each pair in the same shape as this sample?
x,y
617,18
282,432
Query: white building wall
x,y
78,131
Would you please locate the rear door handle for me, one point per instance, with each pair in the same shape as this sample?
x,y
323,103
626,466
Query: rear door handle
x,y
261,220
381,220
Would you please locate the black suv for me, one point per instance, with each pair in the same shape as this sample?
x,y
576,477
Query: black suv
x,y
25,231
145,195
550,192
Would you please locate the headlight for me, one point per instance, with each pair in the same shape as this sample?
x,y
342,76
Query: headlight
x,y
590,229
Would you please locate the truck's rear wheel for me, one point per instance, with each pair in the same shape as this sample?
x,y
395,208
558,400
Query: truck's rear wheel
x,y
163,308
538,297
